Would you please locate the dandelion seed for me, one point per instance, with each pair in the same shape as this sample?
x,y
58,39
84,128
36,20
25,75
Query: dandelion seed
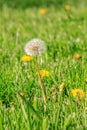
x,y
35,47
44,73
43,11
77,93
67,7
26,58
76,56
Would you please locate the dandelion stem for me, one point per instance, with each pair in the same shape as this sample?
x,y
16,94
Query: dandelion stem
x,y
41,84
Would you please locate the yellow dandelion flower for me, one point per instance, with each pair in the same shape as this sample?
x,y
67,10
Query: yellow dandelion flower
x,y
43,11
67,7
77,93
26,58
44,73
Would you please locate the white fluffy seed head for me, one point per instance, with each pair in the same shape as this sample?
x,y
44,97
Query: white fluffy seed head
x,y
35,47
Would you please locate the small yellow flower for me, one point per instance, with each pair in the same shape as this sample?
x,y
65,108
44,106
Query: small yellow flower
x,y
77,93
67,7
44,73
26,58
43,11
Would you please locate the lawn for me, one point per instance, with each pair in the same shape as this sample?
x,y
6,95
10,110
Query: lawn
x,y
64,31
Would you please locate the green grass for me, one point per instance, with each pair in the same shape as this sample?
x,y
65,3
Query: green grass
x,y
65,33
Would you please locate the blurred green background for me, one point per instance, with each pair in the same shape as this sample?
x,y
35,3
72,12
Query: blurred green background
x,y
40,3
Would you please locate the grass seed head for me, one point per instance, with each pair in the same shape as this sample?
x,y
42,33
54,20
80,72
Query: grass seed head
x,y
62,87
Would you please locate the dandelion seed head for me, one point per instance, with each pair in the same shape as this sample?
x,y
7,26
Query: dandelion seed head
x,y
35,47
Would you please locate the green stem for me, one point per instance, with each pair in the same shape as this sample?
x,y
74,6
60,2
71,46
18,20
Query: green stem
x,y
41,84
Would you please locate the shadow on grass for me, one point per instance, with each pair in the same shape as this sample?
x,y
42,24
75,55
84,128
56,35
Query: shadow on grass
x,y
23,4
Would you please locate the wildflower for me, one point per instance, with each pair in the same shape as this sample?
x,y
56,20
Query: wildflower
x,y
26,58
43,11
35,47
44,73
67,7
76,56
77,93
